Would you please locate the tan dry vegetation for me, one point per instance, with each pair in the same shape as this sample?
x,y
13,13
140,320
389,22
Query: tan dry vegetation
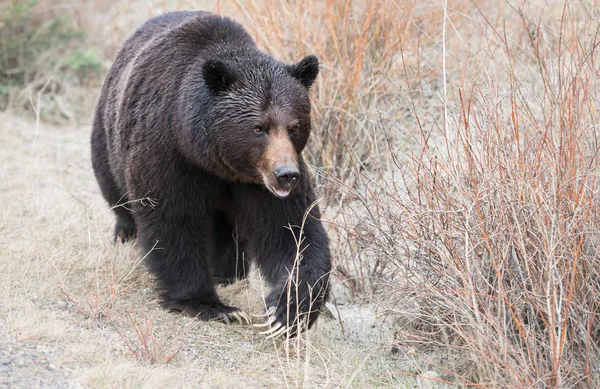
x,y
461,140
487,220
456,149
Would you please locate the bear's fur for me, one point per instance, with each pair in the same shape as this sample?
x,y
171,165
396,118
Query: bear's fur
x,y
196,144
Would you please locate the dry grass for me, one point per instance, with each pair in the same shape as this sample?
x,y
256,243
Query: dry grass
x,y
456,145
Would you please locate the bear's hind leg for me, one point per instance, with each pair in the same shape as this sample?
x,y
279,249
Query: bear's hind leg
x,y
229,262
125,229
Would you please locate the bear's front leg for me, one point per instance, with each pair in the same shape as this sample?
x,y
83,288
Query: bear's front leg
x,y
291,248
300,281
176,242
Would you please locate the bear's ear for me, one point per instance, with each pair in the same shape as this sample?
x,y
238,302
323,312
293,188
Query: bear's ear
x,y
217,76
305,71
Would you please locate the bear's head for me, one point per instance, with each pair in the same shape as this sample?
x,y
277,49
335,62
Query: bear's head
x,y
260,117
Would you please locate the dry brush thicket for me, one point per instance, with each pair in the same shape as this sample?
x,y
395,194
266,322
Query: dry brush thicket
x,y
460,146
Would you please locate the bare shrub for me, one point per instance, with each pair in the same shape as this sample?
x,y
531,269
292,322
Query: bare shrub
x,y
491,226
461,146
44,50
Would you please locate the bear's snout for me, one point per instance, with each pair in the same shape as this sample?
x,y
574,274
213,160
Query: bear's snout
x,y
279,167
287,177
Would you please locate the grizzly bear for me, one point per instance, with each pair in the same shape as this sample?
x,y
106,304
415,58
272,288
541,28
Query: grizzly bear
x,y
196,145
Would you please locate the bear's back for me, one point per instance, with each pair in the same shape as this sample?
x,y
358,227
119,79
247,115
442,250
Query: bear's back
x,y
198,29
162,48
143,85
154,27
169,33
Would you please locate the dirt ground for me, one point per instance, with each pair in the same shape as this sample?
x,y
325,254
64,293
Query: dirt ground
x,y
78,311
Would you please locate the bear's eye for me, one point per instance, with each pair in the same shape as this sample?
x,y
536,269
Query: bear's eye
x,y
294,128
258,130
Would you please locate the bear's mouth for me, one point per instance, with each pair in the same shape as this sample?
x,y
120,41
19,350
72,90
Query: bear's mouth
x,y
279,192
275,189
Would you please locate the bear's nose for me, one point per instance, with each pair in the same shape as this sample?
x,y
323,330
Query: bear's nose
x,y
287,177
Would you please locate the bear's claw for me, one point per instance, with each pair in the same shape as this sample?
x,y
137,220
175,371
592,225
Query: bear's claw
x,y
269,312
277,330
272,329
270,321
237,316
241,317
208,312
247,319
278,333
